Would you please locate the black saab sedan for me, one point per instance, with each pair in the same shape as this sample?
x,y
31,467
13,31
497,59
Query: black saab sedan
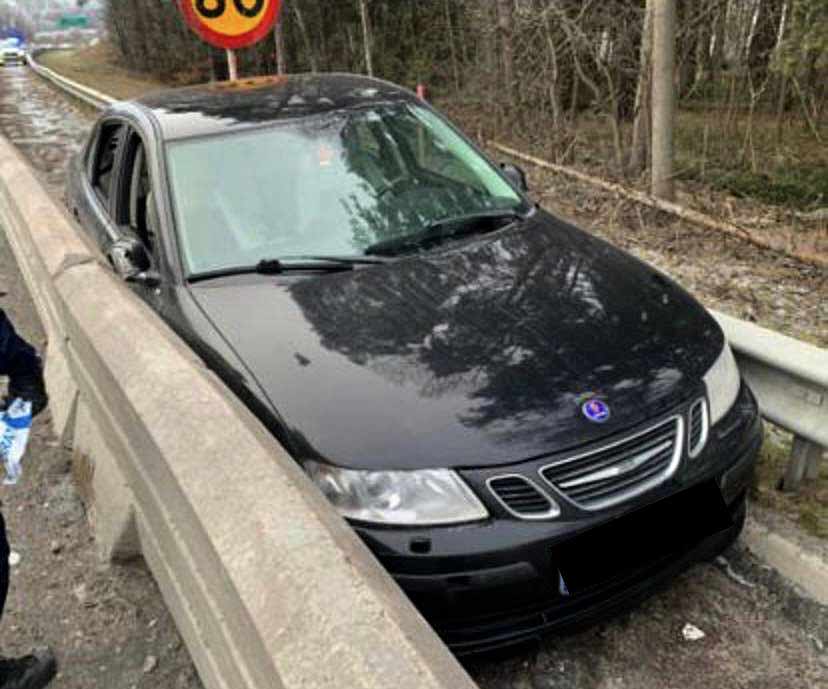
x,y
527,426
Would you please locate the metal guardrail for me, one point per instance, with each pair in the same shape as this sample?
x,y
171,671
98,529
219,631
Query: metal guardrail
x,y
790,380
789,377
89,96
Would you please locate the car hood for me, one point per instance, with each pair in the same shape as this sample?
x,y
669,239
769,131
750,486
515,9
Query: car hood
x,y
479,354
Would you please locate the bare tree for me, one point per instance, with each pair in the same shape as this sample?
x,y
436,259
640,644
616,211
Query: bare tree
x,y
281,48
505,18
303,30
664,98
642,123
367,39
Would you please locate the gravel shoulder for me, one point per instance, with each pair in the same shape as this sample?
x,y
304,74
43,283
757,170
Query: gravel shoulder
x,y
758,634
109,626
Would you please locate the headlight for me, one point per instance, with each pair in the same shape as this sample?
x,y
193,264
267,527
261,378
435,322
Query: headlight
x,y
398,498
723,381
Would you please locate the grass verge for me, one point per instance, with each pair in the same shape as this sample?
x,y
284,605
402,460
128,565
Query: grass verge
x,y
809,506
98,68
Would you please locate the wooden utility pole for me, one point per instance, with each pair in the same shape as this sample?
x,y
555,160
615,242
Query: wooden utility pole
x,y
663,98
366,37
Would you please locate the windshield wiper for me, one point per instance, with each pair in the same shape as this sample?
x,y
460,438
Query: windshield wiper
x,y
447,228
291,264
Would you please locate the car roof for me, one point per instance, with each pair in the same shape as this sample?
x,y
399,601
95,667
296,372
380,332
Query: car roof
x,y
220,107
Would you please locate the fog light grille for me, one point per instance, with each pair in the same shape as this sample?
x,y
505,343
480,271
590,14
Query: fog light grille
x,y
522,498
697,433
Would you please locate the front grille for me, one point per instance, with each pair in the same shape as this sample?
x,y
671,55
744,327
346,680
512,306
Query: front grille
x,y
619,471
697,433
522,498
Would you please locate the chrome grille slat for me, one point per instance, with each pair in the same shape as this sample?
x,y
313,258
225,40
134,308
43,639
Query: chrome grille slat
x,y
659,462
629,481
621,470
635,462
578,471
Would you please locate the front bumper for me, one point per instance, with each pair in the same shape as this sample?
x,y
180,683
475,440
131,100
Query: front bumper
x,y
507,581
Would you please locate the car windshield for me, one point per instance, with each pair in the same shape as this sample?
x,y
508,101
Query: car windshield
x,y
332,185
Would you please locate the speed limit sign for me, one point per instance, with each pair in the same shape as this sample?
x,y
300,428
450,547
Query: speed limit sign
x,y
231,24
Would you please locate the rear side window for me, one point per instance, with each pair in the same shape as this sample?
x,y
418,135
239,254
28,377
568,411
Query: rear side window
x,y
105,156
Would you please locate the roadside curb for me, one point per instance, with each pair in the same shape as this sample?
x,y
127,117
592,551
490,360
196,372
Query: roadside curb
x,y
805,569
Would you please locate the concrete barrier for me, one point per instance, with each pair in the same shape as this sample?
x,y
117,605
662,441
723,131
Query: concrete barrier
x,y
269,587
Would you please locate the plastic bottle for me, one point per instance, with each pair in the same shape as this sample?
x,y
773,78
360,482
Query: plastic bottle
x,y
15,426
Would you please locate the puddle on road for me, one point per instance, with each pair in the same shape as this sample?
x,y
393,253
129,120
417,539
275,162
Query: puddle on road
x,y
44,125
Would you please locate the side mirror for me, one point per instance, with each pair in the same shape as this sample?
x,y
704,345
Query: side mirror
x,y
516,176
129,257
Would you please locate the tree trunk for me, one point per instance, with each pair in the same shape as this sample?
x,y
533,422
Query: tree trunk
x,y
554,79
664,98
504,25
452,44
641,126
366,37
782,92
281,49
303,30
717,47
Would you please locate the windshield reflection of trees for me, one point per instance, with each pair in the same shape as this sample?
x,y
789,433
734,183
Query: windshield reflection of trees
x,y
493,323
397,196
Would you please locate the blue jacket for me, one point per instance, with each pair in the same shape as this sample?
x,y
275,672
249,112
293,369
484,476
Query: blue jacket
x,y
20,362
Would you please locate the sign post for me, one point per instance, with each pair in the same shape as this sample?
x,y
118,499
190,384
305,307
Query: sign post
x,y
232,64
231,24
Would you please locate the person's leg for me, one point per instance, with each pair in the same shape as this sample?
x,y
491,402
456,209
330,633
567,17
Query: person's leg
x,y
33,671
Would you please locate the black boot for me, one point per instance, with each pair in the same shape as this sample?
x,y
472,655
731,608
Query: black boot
x,y
30,672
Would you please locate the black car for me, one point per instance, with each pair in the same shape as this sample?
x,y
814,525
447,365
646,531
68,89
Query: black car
x,y
527,426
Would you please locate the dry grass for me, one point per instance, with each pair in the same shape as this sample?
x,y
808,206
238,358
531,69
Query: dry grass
x,y
98,68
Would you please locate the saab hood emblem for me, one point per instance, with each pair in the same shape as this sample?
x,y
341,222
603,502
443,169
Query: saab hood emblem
x,y
596,410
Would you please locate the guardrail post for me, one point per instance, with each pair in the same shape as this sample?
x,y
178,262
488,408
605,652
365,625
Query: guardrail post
x,y
812,470
804,463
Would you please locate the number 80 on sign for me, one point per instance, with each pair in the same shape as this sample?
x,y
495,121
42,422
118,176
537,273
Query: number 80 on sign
x,y
231,24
